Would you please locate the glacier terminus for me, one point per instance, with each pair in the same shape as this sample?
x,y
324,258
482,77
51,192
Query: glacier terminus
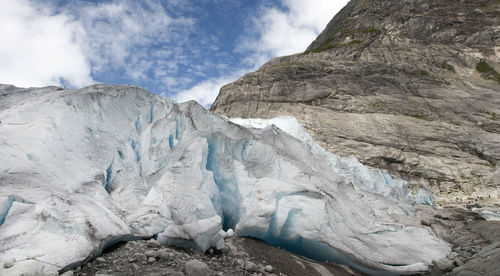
x,y
81,170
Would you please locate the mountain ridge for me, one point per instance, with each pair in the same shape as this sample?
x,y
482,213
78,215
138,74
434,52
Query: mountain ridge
x,y
406,86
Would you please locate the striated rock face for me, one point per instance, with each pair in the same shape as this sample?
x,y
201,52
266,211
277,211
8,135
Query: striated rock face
x,y
408,86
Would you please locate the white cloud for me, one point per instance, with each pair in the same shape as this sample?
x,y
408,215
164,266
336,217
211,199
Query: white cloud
x,y
44,43
121,34
74,42
278,32
275,32
170,81
39,49
206,91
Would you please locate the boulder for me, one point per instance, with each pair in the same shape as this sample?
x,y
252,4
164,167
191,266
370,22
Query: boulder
x,y
196,268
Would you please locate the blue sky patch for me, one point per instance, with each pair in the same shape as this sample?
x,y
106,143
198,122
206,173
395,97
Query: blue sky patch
x,y
176,48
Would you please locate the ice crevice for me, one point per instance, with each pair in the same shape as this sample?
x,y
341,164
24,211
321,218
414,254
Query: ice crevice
x,y
188,176
171,141
151,113
226,183
7,205
109,171
138,123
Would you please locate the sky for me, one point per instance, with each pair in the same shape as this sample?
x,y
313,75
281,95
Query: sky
x,y
180,49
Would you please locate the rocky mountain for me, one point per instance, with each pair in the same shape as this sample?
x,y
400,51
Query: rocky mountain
x,y
410,86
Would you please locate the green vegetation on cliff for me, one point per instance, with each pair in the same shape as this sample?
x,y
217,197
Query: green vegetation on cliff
x,y
487,71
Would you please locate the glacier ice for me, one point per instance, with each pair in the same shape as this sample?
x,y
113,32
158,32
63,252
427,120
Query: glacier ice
x,y
102,164
425,197
488,213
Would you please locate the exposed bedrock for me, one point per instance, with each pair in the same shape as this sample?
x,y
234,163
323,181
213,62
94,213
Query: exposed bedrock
x,y
411,87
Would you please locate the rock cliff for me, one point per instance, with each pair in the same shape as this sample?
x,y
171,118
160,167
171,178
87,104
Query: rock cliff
x,y
410,86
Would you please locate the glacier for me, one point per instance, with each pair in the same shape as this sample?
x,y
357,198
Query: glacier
x,y
83,169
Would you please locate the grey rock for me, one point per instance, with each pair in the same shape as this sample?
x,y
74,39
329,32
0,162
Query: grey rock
x,y
196,268
100,260
240,262
163,254
485,262
452,255
68,273
268,268
444,264
250,266
151,253
153,243
151,260
394,84
476,242
219,264
139,257
9,264
458,262
426,222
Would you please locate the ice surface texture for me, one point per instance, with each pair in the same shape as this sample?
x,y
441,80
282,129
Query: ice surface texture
x,y
83,169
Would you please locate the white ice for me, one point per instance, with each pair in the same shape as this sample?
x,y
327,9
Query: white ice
x,y
488,213
83,169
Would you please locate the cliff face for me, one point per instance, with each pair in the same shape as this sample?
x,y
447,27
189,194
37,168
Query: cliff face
x,y
408,86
